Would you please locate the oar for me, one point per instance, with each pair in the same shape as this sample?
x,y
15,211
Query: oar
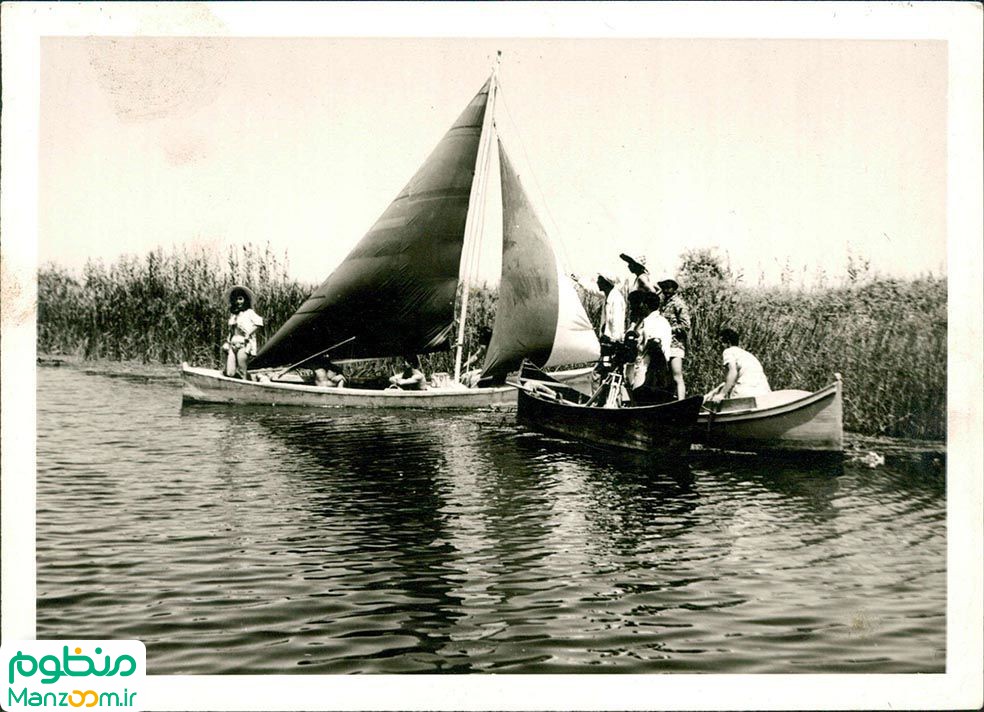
x,y
305,360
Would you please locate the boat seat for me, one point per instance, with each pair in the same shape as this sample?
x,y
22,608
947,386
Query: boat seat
x,y
732,404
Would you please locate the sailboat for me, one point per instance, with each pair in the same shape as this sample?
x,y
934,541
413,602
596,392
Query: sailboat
x,y
395,292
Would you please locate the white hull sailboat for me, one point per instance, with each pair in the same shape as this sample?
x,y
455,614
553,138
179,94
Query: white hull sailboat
x,y
205,385
395,292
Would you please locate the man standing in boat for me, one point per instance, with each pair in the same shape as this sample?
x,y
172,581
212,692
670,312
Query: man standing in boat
x,y
641,281
612,310
611,332
678,314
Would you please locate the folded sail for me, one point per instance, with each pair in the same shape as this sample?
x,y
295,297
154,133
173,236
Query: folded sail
x,y
395,290
539,315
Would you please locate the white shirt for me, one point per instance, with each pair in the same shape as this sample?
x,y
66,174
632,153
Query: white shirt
x,y
612,311
751,378
656,328
613,316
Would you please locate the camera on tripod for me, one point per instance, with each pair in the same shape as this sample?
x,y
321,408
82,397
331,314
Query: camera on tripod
x,y
615,354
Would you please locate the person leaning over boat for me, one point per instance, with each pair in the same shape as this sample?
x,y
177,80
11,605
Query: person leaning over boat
x,y
641,281
649,376
678,314
327,374
744,376
243,323
411,378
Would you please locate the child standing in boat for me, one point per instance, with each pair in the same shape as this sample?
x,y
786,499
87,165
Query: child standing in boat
x,y
240,345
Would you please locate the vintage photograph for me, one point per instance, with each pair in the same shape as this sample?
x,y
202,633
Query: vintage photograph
x,y
495,354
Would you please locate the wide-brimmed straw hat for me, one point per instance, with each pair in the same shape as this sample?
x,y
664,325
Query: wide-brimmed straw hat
x,y
637,258
240,289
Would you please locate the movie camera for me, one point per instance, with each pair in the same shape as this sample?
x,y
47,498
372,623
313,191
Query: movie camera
x,y
615,354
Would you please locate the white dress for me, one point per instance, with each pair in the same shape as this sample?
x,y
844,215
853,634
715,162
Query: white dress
x,y
245,323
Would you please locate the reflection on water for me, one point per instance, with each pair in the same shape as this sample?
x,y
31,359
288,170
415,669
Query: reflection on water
x,y
260,540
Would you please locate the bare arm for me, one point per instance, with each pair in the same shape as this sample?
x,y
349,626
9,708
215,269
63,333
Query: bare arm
x,y
729,380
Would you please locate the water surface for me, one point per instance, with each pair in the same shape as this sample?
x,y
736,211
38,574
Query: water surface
x,y
280,540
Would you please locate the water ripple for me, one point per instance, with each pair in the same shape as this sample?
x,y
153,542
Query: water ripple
x,y
252,540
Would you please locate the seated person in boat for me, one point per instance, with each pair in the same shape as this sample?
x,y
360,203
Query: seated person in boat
x,y
744,376
240,345
328,374
649,378
411,378
471,376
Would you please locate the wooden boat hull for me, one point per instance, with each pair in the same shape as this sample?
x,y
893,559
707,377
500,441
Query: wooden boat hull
x,y
203,385
666,429
783,421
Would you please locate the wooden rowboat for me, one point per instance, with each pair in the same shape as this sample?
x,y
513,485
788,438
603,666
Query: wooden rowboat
x,y
780,421
206,385
667,429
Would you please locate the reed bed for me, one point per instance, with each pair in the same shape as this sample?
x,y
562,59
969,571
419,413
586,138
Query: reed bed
x,y
162,308
886,337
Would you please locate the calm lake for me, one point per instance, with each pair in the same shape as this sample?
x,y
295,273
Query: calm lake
x,y
276,540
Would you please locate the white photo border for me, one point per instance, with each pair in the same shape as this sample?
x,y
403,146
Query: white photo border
x,y
959,24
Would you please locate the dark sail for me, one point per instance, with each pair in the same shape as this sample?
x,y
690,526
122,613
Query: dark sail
x,y
538,316
395,290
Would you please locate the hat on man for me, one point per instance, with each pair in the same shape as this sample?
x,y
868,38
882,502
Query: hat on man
x,y
668,282
607,277
638,259
640,297
238,289
653,299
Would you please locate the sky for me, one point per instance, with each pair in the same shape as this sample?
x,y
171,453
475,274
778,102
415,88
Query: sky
x,y
778,154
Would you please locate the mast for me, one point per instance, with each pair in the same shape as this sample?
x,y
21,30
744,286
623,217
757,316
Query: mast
x,y
475,221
